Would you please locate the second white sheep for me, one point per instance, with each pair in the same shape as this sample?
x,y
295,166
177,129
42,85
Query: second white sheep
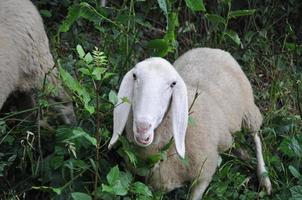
x,y
25,57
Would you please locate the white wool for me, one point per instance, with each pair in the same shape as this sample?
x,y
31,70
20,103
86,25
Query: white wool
x,y
225,104
25,57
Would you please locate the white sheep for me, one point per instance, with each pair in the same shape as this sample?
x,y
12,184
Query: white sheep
x,y
160,97
25,57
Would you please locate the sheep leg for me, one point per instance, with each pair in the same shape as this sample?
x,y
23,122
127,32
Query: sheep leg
x,y
4,92
207,171
199,188
25,100
2,100
261,171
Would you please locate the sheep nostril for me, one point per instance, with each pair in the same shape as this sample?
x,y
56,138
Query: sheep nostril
x,y
142,127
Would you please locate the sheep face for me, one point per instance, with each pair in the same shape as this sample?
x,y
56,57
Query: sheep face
x,y
65,111
150,87
63,106
152,91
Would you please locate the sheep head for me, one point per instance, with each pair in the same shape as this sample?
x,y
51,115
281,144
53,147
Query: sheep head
x,y
150,87
63,106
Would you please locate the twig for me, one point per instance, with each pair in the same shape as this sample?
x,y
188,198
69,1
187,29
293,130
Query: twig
x,y
13,129
296,84
97,135
195,97
40,159
197,178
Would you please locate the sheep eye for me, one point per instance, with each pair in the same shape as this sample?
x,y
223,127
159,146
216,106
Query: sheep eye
x,y
134,76
173,84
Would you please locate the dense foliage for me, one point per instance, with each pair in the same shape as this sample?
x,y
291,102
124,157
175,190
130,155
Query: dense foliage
x,y
94,46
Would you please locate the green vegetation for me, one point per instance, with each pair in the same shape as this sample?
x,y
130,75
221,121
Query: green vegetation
x,y
94,46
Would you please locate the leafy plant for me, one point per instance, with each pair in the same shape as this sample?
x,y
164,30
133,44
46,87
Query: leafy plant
x,y
121,183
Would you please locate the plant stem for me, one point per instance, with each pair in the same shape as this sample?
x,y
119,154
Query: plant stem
x,y
39,125
97,136
195,97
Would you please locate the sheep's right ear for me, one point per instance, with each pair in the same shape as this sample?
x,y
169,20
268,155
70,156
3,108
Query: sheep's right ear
x,y
179,108
122,110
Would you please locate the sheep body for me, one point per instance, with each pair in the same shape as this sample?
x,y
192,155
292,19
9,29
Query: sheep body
x,y
25,57
224,104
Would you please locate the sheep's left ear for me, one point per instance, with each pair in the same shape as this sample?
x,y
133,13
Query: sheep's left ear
x,y
122,110
179,108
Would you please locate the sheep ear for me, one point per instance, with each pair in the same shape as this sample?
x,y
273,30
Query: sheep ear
x,y
121,111
179,108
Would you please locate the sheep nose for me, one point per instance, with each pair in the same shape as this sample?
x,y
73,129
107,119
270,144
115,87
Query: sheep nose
x,y
142,127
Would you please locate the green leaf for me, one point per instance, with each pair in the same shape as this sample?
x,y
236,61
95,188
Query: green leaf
x,y
132,157
56,162
12,158
88,58
100,59
73,15
119,182
117,189
113,97
296,147
191,121
158,47
78,133
108,75
239,13
294,172
233,36
141,189
9,139
45,13
168,145
161,155
80,51
226,1
291,147
81,132
79,164
113,175
80,196
106,188
75,12
290,46
153,159
97,72
296,192
92,140
128,151
172,24
84,71
285,147
92,164
185,161
57,191
215,19
125,178
163,6
77,88
125,100
196,5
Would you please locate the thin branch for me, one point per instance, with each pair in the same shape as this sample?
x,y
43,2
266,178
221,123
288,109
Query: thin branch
x,y
12,114
97,86
195,97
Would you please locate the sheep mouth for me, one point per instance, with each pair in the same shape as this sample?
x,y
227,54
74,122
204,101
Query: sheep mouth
x,y
143,142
